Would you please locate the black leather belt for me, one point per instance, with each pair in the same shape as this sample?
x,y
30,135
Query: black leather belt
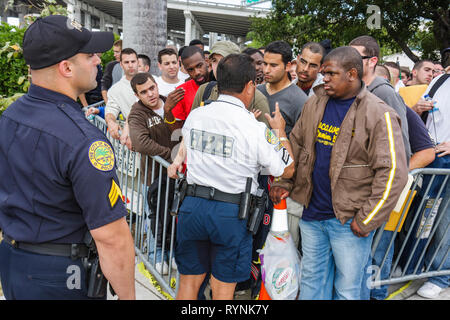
x,y
211,193
74,251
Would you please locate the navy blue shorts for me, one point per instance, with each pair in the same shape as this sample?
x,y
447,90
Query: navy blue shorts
x,y
211,238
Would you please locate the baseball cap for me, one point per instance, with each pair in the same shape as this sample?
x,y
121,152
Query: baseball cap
x,y
52,39
224,48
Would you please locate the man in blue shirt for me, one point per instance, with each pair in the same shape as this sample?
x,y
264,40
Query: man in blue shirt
x,y
58,175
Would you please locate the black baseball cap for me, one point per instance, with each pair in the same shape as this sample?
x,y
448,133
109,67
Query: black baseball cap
x,y
55,38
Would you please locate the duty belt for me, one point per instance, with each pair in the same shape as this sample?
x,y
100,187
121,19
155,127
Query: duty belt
x,y
74,251
211,193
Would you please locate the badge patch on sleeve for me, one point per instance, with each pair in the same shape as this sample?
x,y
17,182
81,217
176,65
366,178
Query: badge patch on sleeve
x,y
114,194
101,156
271,137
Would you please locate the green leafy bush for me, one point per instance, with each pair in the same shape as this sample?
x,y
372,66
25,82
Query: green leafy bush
x,y
108,56
13,69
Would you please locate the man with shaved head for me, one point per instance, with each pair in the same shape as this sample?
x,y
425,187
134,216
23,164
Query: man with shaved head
x,y
350,170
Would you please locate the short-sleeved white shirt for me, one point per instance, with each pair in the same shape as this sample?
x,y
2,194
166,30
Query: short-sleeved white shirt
x,y
165,88
225,145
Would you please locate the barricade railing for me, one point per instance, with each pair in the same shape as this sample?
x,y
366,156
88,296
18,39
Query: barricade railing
x,y
135,181
416,246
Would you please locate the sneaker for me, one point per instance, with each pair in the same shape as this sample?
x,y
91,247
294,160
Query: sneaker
x,y
397,272
165,268
429,290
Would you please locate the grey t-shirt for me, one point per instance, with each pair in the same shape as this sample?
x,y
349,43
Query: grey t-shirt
x,y
383,90
291,100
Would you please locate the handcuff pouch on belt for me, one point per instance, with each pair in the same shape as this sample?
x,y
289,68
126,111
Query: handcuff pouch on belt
x,y
95,279
179,194
258,209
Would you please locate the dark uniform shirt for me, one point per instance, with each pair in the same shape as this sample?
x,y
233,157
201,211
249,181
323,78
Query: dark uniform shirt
x,y
57,171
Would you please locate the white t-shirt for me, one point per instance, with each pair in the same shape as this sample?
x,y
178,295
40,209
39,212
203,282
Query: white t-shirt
x,y
225,145
121,98
182,76
164,87
438,122
160,111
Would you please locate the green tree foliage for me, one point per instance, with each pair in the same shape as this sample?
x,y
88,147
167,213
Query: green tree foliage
x,y
401,25
13,70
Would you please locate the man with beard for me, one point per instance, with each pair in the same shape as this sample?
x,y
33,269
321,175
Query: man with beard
x,y
308,65
179,101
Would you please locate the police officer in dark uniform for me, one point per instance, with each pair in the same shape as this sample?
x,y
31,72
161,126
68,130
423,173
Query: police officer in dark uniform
x,y
58,183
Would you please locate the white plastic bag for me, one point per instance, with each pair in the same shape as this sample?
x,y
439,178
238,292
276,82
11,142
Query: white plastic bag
x,y
280,266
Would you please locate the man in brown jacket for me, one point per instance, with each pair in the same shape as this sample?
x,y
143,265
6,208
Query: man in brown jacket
x,y
350,170
150,136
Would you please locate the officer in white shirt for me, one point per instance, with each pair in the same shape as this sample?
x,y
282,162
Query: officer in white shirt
x,y
224,145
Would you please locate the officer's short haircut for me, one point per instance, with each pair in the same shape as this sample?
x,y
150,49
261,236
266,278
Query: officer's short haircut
x,y
420,63
166,52
139,79
252,51
383,71
234,72
347,58
128,51
190,51
316,48
145,59
370,44
280,47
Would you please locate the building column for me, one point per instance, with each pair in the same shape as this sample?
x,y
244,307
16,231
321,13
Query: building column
x,y
187,27
87,21
102,22
212,38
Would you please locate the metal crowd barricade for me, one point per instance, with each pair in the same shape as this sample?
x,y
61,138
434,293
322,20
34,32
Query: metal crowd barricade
x,y
412,236
140,213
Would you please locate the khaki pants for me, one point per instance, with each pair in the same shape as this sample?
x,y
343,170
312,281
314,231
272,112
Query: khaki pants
x,y
294,210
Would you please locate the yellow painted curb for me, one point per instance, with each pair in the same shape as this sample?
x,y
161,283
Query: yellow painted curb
x,y
395,293
151,278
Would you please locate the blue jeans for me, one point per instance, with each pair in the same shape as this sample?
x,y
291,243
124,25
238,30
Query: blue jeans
x,y
378,293
333,260
441,281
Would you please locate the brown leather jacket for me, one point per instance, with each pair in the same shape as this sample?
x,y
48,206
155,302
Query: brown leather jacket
x,y
368,167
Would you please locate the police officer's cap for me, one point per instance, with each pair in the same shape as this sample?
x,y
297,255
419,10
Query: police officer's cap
x,y
55,38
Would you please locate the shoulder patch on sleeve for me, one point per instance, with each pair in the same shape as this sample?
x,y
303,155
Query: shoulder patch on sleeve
x,y
101,156
271,137
114,194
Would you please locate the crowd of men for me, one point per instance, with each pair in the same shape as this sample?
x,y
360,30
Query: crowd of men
x,y
333,131
188,81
